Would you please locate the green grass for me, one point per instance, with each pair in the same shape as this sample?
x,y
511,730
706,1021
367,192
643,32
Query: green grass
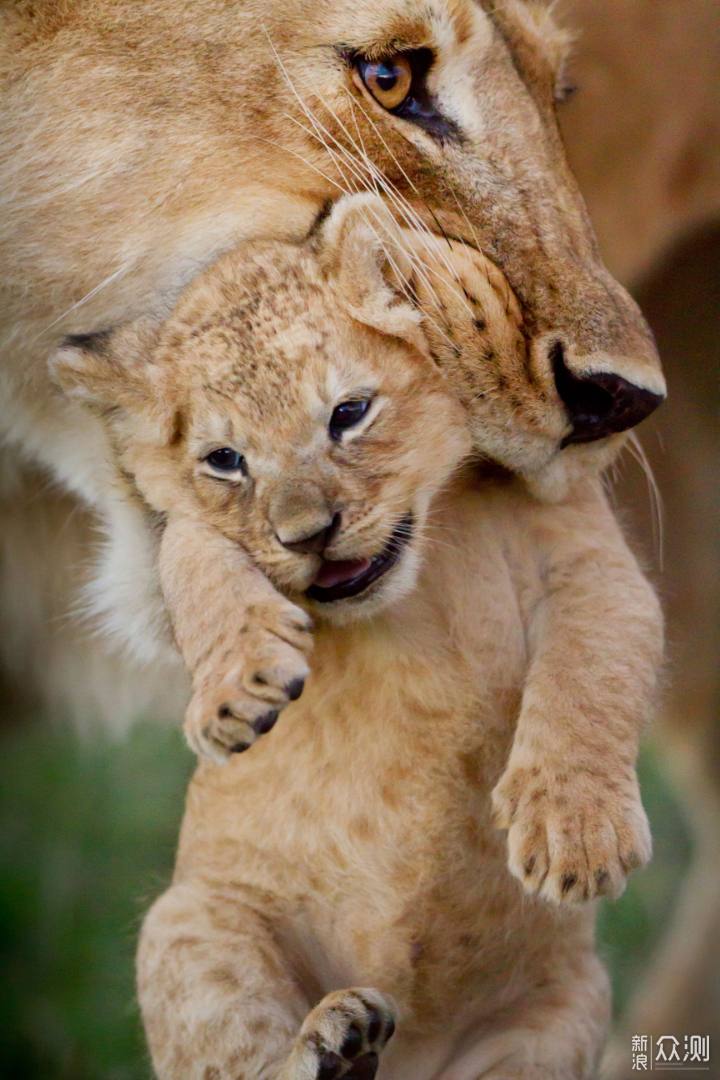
x,y
87,836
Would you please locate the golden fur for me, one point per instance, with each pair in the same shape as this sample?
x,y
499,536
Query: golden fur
x,y
648,100
185,128
354,847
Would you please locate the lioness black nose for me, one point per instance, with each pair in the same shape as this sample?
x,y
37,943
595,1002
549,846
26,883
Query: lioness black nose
x,y
599,403
316,543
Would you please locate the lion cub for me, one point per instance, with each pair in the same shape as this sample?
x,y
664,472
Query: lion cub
x,y
307,424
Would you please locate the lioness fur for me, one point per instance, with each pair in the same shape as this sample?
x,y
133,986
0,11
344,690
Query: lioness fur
x,y
345,873
139,142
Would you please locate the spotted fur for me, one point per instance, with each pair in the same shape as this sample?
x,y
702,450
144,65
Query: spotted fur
x,y
495,679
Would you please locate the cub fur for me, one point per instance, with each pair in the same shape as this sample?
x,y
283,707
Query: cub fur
x,y
345,872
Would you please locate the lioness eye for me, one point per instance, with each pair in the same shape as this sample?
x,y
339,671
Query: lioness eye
x,y
399,84
347,415
226,460
388,81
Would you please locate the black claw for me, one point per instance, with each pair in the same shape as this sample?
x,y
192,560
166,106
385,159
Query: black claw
x,y
363,1068
266,723
294,689
239,747
329,1066
375,1025
602,876
567,882
353,1043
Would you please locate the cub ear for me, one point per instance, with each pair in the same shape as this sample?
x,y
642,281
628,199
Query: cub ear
x,y
364,250
107,368
112,371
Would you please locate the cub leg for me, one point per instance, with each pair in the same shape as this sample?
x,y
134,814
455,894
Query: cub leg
x,y
245,645
559,1037
219,1001
569,796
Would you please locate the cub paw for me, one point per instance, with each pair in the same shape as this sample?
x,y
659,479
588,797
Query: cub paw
x,y
248,676
572,835
342,1037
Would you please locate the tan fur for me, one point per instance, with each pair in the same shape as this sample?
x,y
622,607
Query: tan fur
x,y
139,144
354,846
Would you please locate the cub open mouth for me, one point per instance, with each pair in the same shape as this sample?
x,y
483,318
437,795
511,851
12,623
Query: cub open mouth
x,y
339,579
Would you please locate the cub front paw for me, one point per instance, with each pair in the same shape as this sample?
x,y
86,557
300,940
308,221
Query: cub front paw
x,y
573,835
248,676
342,1037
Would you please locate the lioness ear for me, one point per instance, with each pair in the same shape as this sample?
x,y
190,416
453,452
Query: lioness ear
x,y
365,252
112,371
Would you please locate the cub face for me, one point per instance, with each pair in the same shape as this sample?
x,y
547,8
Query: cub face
x,y
289,400
309,400
314,441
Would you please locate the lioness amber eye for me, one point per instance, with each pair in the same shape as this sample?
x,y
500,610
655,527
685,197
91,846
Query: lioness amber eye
x,y
388,81
347,415
226,460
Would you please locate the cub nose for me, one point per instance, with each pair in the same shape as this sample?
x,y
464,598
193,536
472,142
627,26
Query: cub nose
x,y
316,542
599,403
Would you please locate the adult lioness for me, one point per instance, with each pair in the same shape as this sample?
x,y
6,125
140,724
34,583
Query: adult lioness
x,y
141,140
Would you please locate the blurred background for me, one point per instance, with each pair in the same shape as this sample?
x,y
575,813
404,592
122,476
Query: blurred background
x,y
88,818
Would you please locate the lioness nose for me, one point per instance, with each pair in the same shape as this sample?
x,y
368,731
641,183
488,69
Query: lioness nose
x,y
316,542
600,403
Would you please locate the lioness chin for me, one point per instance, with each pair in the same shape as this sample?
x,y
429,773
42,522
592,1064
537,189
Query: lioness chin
x,y
310,449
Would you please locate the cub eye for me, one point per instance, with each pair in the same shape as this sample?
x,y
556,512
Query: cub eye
x,y
347,415
388,81
227,461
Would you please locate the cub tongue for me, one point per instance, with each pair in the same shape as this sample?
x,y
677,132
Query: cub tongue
x,y
335,572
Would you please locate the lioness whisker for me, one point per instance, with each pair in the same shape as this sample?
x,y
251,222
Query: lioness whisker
x,y
637,451
406,210
345,191
419,267
374,226
407,179
88,296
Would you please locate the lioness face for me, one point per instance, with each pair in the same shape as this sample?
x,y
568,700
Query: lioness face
x,y
242,119
448,108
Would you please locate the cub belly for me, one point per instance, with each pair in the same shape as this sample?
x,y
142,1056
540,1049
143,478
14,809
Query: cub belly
x,y
360,828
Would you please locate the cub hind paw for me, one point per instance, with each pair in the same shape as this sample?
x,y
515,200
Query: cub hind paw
x,y
343,1037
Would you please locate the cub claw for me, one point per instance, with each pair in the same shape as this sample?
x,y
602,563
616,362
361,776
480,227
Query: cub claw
x,y
295,689
248,678
240,747
343,1037
364,1068
266,723
571,837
